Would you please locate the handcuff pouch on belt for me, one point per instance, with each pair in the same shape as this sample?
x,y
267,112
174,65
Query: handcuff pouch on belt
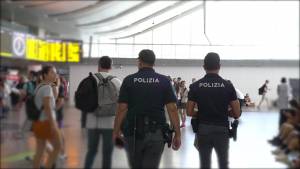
x,y
145,125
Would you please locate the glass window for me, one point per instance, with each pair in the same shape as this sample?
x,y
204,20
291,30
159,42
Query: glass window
x,y
95,50
85,49
234,30
168,52
108,50
125,51
181,31
126,40
182,52
145,38
162,35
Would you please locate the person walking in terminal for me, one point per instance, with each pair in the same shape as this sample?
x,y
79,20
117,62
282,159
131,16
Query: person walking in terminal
x,y
143,96
183,93
212,94
101,122
284,95
60,101
263,92
45,128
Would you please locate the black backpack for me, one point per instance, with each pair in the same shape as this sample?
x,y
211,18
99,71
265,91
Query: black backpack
x,y
32,111
261,90
86,95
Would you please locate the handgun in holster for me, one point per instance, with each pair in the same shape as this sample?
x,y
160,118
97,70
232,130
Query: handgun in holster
x,y
167,134
195,124
233,130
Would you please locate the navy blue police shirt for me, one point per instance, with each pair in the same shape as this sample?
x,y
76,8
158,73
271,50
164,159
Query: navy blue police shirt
x,y
212,94
146,93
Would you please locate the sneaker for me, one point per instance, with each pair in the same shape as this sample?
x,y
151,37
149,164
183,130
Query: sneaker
x,y
282,158
277,151
28,158
275,142
183,125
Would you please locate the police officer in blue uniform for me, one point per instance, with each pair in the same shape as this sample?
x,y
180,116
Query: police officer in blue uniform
x,y
141,117
213,95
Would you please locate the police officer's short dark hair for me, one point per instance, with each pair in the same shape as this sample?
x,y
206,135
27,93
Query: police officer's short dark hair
x,y
283,80
212,61
105,62
147,56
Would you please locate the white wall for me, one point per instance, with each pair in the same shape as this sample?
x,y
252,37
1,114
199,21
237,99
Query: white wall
x,y
246,79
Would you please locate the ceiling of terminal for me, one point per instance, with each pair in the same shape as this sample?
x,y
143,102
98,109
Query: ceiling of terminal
x,y
95,17
260,26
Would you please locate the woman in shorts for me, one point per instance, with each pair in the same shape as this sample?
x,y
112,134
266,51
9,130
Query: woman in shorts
x,y
45,128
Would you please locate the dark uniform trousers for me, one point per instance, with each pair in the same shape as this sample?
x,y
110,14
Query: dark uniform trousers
x,y
209,137
145,153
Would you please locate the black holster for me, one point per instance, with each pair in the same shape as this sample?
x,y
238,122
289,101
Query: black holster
x,y
145,125
194,123
233,130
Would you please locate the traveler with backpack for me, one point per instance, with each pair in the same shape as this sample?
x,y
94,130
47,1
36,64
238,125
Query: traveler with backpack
x,y
44,118
98,103
28,91
141,115
263,92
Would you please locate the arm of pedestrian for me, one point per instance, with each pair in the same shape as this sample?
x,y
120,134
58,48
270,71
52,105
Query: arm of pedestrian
x,y
120,116
190,108
172,111
236,110
59,103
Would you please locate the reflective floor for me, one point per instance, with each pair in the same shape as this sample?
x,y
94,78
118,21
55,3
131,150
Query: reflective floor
x,y
251,150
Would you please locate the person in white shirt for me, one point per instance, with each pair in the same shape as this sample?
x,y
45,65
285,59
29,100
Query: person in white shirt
x,y
45,128
284,95
101,125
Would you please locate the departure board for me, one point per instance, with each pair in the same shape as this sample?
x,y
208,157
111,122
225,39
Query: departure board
x,y
19,45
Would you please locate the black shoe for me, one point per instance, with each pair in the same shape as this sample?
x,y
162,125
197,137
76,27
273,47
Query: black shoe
x,y
283,146
275,142
28,158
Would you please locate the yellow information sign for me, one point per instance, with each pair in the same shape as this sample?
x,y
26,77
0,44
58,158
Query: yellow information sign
x,y
43,50
52,51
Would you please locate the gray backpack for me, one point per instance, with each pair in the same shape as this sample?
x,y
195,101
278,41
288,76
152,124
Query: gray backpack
x,y
107,96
